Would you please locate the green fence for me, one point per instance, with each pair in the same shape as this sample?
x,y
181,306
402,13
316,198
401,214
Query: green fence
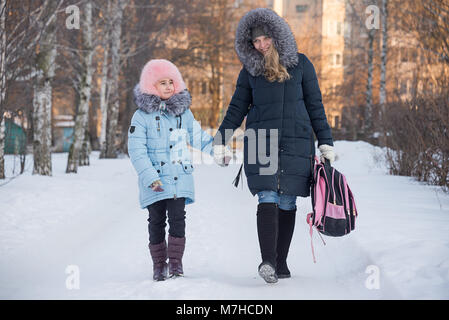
x,y
15,138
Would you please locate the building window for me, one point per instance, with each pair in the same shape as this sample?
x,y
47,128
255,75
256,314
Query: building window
x,y
335,59
347,28
331,59
338,59
337,122
420,87
339,28
237,3
403,87
404,55
301,8
204,87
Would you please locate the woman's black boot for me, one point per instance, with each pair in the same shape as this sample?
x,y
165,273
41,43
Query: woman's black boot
x,y
286,228
267,230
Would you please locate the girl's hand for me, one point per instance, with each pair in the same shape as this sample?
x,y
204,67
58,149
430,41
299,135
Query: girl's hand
x,y
156,186
222,155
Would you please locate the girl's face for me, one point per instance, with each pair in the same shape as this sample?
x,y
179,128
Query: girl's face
x,y
262,44
165,88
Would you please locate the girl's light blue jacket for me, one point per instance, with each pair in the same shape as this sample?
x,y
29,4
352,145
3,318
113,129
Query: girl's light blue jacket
x,y
158,140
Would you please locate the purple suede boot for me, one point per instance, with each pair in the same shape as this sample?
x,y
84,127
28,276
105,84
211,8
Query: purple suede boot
x,y
159,255
175,251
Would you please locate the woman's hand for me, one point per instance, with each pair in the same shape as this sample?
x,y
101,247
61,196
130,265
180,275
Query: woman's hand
x,y
222,155
327,152
156,186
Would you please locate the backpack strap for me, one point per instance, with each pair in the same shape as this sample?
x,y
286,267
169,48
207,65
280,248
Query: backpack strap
x,y
347,191
309,221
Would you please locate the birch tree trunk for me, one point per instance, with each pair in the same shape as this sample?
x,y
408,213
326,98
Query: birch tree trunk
x,y
383,67
369,86
383,55
2,84
86,149
104,98
76,155
2,148
113,84
104,94
42,99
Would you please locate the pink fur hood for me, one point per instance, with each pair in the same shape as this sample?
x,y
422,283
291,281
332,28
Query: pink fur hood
x,y
157,69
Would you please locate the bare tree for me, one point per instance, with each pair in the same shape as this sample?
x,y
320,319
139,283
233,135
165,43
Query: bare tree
x,y
383,65
2,83
435,15
42,100
76,156
210,49
371,52
104,92
113,81
416,127
369,84
22,26
383,54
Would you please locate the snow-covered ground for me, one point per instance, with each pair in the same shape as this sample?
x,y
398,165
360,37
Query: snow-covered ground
x,y
53,229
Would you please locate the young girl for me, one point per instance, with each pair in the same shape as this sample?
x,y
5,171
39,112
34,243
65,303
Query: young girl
x,y
157,145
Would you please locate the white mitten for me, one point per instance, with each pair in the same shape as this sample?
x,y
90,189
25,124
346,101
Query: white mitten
x,y
222,155
327,152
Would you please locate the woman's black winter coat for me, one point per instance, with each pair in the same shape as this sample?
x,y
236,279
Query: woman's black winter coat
x,y
293,107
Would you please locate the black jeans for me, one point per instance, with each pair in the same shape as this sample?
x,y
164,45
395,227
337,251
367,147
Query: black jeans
x,y
158,212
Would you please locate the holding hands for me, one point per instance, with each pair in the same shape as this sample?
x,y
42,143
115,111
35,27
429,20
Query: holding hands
x,y
222,155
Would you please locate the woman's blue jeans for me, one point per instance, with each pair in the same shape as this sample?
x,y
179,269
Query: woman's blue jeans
x,y
285,202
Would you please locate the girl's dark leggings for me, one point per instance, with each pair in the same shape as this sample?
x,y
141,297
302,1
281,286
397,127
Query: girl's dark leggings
x,y
158,212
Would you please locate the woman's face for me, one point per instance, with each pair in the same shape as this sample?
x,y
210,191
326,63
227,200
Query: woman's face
x,y
262,44
165,88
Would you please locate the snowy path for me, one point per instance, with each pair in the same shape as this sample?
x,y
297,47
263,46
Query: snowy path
x,y
92,220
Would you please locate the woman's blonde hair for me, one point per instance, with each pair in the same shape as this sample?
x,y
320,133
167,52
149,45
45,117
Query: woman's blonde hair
x,y
274,70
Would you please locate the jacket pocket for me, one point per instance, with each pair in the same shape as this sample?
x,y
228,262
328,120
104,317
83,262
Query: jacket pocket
x,y
187,167
159,167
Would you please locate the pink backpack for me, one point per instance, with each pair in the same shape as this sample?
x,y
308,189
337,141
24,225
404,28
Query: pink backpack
x,y
334,211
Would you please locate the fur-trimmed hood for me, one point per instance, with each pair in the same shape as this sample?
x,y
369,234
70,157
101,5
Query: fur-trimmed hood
x,y
276,28
175,105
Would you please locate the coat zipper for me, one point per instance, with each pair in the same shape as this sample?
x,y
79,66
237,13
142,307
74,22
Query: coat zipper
x,y
158,119
280,138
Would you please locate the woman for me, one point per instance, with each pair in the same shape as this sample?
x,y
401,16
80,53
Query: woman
x,y
277,88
